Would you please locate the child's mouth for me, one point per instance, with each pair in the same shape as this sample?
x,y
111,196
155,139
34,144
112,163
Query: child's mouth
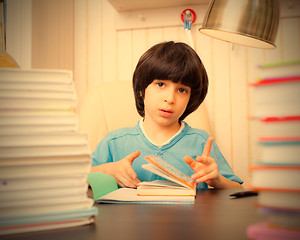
x,y
165,113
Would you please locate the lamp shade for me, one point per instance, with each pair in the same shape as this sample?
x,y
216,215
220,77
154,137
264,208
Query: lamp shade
x,y
252,23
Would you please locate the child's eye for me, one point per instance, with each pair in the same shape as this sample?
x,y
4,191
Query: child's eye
x,y
183,90
160,84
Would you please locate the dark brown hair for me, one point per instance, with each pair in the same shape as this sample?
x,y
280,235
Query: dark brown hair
x,y
176,62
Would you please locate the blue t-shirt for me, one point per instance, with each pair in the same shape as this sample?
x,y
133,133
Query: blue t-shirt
x,y
189,142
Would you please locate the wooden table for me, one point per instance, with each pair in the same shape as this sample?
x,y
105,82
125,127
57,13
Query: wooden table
x,y
213,216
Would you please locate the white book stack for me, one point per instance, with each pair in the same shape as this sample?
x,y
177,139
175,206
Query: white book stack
x,y
44,159
276,172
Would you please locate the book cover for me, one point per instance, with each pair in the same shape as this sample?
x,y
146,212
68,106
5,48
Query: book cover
x,y
276,127
46,159
44,151
30,129
73,222
276,177
36,94
36,76
31,183
37,86
44,139
284,218
52,168
38,113
278,69
49,217
43,193
38,103
278,150
281,199
19,207
130,196
265,230
28,118
276,98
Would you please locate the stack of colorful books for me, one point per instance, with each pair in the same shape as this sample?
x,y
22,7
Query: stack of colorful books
x,y
276,173
44,159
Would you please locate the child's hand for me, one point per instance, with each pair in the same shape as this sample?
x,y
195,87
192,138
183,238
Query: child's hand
x,y
124,173
122,170
205,167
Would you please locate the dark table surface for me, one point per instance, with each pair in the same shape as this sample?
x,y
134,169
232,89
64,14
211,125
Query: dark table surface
x,y
213,216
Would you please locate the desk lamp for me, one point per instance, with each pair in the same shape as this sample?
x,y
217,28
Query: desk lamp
x,y
252,23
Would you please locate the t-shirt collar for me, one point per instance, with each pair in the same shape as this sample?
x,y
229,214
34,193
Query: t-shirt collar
x,y
141,124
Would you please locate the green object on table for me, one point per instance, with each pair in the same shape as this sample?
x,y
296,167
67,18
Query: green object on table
x,y
101,184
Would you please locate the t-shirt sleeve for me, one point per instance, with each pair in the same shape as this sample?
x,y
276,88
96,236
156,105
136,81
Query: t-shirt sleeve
x,y
102,153
224,167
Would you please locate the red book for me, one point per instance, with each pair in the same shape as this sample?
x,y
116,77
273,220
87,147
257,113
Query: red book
x,y
267,231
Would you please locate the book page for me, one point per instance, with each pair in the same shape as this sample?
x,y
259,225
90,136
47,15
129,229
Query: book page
x,y
162,173
160,184
174,172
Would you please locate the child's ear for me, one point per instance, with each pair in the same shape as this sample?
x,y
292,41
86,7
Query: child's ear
x,y
141,95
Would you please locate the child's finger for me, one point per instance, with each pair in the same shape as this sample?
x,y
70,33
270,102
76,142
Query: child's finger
x,y
203,172
132,156
206,178
190,162
120,184
136,182
204,160
131,173
207,147
127,181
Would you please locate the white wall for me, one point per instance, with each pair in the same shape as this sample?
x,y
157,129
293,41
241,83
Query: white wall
x,y
18,38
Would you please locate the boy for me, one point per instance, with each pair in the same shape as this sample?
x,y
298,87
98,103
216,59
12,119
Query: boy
x,y
169,83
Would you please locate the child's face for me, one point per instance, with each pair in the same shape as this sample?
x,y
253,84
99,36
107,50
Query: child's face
x,y
165,101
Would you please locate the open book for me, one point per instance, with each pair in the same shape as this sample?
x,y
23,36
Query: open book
x,y
177,183
178,189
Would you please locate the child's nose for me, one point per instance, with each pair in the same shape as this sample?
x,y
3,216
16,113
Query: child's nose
x,y
170,96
